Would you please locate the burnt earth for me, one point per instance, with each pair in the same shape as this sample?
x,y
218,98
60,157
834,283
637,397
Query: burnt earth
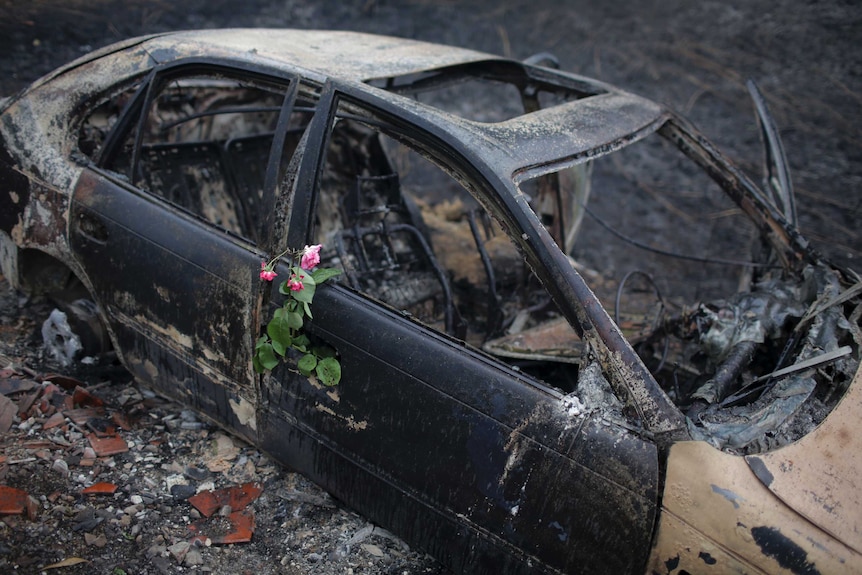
x,y
695,57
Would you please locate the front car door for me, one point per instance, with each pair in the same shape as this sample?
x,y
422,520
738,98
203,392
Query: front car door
x,y
456,450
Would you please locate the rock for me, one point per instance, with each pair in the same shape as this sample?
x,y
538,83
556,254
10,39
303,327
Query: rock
x,y
156,551
174,479
61,467
182,492
179,550
162,565
86,520
193,557
372,549
94,540
196,473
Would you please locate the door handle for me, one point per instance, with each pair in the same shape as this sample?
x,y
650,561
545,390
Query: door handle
x,y
92,229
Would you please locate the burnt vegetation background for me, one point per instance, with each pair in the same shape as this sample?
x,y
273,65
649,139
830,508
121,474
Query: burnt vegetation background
x,y
693,56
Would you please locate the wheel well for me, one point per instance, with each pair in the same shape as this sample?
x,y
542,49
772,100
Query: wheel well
x,y
42,274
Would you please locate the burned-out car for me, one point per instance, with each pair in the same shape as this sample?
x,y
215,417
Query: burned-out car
x,y
573,337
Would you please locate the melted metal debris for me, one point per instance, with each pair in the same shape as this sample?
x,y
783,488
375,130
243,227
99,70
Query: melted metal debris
x,y
758,412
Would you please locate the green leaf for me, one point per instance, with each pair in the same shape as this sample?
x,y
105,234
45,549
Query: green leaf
x,y
306,294
261,341
306,276
279,330
279,347
320,275
306,364
322,351
301,342
328,371
294,320
266,357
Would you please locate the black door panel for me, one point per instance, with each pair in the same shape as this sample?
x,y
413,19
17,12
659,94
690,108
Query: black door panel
x,y
178,286
422,416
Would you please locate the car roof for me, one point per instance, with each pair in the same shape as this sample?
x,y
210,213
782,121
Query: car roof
x,y
338,54
601,122
530,142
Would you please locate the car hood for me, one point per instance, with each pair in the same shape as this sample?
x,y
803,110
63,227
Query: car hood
x,y
819,475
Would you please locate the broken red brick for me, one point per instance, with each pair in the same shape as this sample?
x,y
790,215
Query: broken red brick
x,y
26,402
37,444
237,497
12,385
8,409
64,381
101,427
105,446
54,421
121,420
43,454
101,488
84,398
15,502
82,415
241,529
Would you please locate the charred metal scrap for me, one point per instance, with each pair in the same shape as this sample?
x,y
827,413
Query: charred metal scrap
x,y
573,336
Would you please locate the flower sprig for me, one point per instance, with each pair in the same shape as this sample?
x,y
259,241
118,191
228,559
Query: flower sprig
x,y
284,331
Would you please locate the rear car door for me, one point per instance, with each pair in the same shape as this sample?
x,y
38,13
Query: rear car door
x,y
450,447
177,210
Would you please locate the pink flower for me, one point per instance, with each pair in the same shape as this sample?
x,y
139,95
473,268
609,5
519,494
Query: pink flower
x,y
266,272
310,257
295,283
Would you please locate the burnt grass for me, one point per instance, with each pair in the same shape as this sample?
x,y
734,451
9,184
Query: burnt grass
x,y
694,57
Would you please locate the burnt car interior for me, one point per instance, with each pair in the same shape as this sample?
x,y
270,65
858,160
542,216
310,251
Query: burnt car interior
x,y
755,354
408,234
203,146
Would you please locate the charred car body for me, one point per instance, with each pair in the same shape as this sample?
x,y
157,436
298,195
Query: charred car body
x,y
527,386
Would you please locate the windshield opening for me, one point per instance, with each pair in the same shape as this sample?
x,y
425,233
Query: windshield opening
x,y
489,91
727,333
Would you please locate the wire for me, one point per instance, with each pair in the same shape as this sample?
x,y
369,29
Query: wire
x,y
643,246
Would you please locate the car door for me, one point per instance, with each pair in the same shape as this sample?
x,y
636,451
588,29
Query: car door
x,y
455,450
170,229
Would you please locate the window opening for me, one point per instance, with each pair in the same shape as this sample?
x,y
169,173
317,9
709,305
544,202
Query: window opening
x,y
409,233
102,117
205,147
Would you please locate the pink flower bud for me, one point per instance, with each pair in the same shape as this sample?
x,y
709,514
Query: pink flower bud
x,y
266,272
294,283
